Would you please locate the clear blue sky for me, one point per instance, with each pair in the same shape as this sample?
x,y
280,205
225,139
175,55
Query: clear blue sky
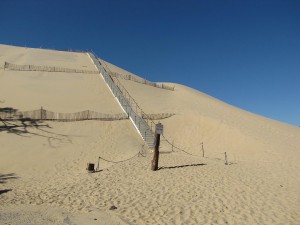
x,y
244,52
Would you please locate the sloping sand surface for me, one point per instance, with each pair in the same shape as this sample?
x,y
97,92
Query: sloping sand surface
x,y
42,168
43,57
54,91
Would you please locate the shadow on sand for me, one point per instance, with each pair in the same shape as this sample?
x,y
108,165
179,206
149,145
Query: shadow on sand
x,y
20,126
5,191
4,178
181,166
25,127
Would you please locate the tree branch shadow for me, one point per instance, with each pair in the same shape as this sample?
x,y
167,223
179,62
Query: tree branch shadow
x,y
24,127
4,178
5,191
20,126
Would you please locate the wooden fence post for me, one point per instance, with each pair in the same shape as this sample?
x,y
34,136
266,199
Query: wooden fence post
x,y
41,113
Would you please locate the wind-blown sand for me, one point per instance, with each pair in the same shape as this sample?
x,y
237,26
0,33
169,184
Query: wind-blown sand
x,y
42,168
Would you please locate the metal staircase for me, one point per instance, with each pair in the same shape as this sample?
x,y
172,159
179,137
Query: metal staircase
x,y
134,112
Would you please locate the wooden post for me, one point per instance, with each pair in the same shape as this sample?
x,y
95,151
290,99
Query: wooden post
x,y
226,163
97,169
158,131
41,113
154,165
202,149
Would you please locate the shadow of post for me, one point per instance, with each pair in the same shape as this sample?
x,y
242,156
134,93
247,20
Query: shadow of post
x,y
181,166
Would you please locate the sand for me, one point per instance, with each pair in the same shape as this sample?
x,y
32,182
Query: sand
x,y
43,178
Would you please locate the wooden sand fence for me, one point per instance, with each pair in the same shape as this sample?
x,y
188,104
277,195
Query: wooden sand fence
x,y
157,116
141,80
42,114
15,67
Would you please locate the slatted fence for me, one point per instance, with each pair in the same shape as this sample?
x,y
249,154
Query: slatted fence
x,y
42,114
141,80
157,116
15,67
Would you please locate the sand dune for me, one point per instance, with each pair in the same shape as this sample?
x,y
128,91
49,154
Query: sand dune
x,y
55,91
43,178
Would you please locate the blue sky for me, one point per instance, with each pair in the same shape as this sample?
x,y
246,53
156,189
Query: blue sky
x,y
244,52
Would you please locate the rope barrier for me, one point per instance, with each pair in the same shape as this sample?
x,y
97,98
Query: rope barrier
x,y
118,161
180,149
121,161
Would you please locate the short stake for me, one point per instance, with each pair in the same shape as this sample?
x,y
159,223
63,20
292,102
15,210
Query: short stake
x,y
226,162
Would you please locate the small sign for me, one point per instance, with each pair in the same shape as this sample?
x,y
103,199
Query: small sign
x,y
159,128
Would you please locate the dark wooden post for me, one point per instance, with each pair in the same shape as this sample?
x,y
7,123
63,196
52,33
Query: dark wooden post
x,y
158,131
154,166
202,149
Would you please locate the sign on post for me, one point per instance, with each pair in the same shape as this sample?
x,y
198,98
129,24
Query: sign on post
x,y
159,128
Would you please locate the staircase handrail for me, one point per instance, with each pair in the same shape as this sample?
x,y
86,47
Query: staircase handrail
x,y
126,101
